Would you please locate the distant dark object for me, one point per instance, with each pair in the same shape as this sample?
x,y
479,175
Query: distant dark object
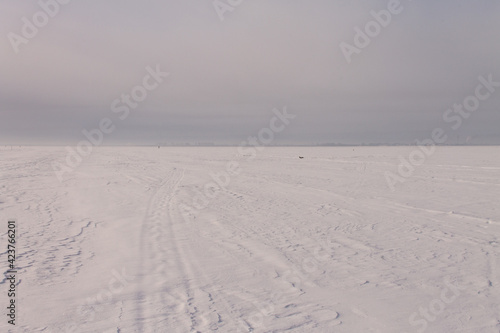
x,y
301,157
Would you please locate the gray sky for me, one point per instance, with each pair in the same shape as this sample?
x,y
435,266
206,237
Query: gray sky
x,y
227,76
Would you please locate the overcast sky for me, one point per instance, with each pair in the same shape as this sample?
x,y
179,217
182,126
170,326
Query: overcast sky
x,y
226,76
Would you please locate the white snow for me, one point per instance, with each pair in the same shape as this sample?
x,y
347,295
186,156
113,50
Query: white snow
x,y
129,242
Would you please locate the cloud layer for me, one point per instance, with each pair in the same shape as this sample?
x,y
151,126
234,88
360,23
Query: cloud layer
x,y
227,76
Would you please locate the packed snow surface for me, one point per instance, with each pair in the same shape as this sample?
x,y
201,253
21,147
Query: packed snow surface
x,y
141,239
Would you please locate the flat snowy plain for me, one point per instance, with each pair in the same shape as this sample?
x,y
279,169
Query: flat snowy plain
x,y
140,240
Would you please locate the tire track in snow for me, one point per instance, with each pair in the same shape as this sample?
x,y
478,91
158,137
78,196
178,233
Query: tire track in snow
x,y
189,293
170,296
158,261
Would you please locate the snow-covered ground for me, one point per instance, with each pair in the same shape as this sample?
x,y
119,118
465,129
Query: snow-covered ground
x,y
144,240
